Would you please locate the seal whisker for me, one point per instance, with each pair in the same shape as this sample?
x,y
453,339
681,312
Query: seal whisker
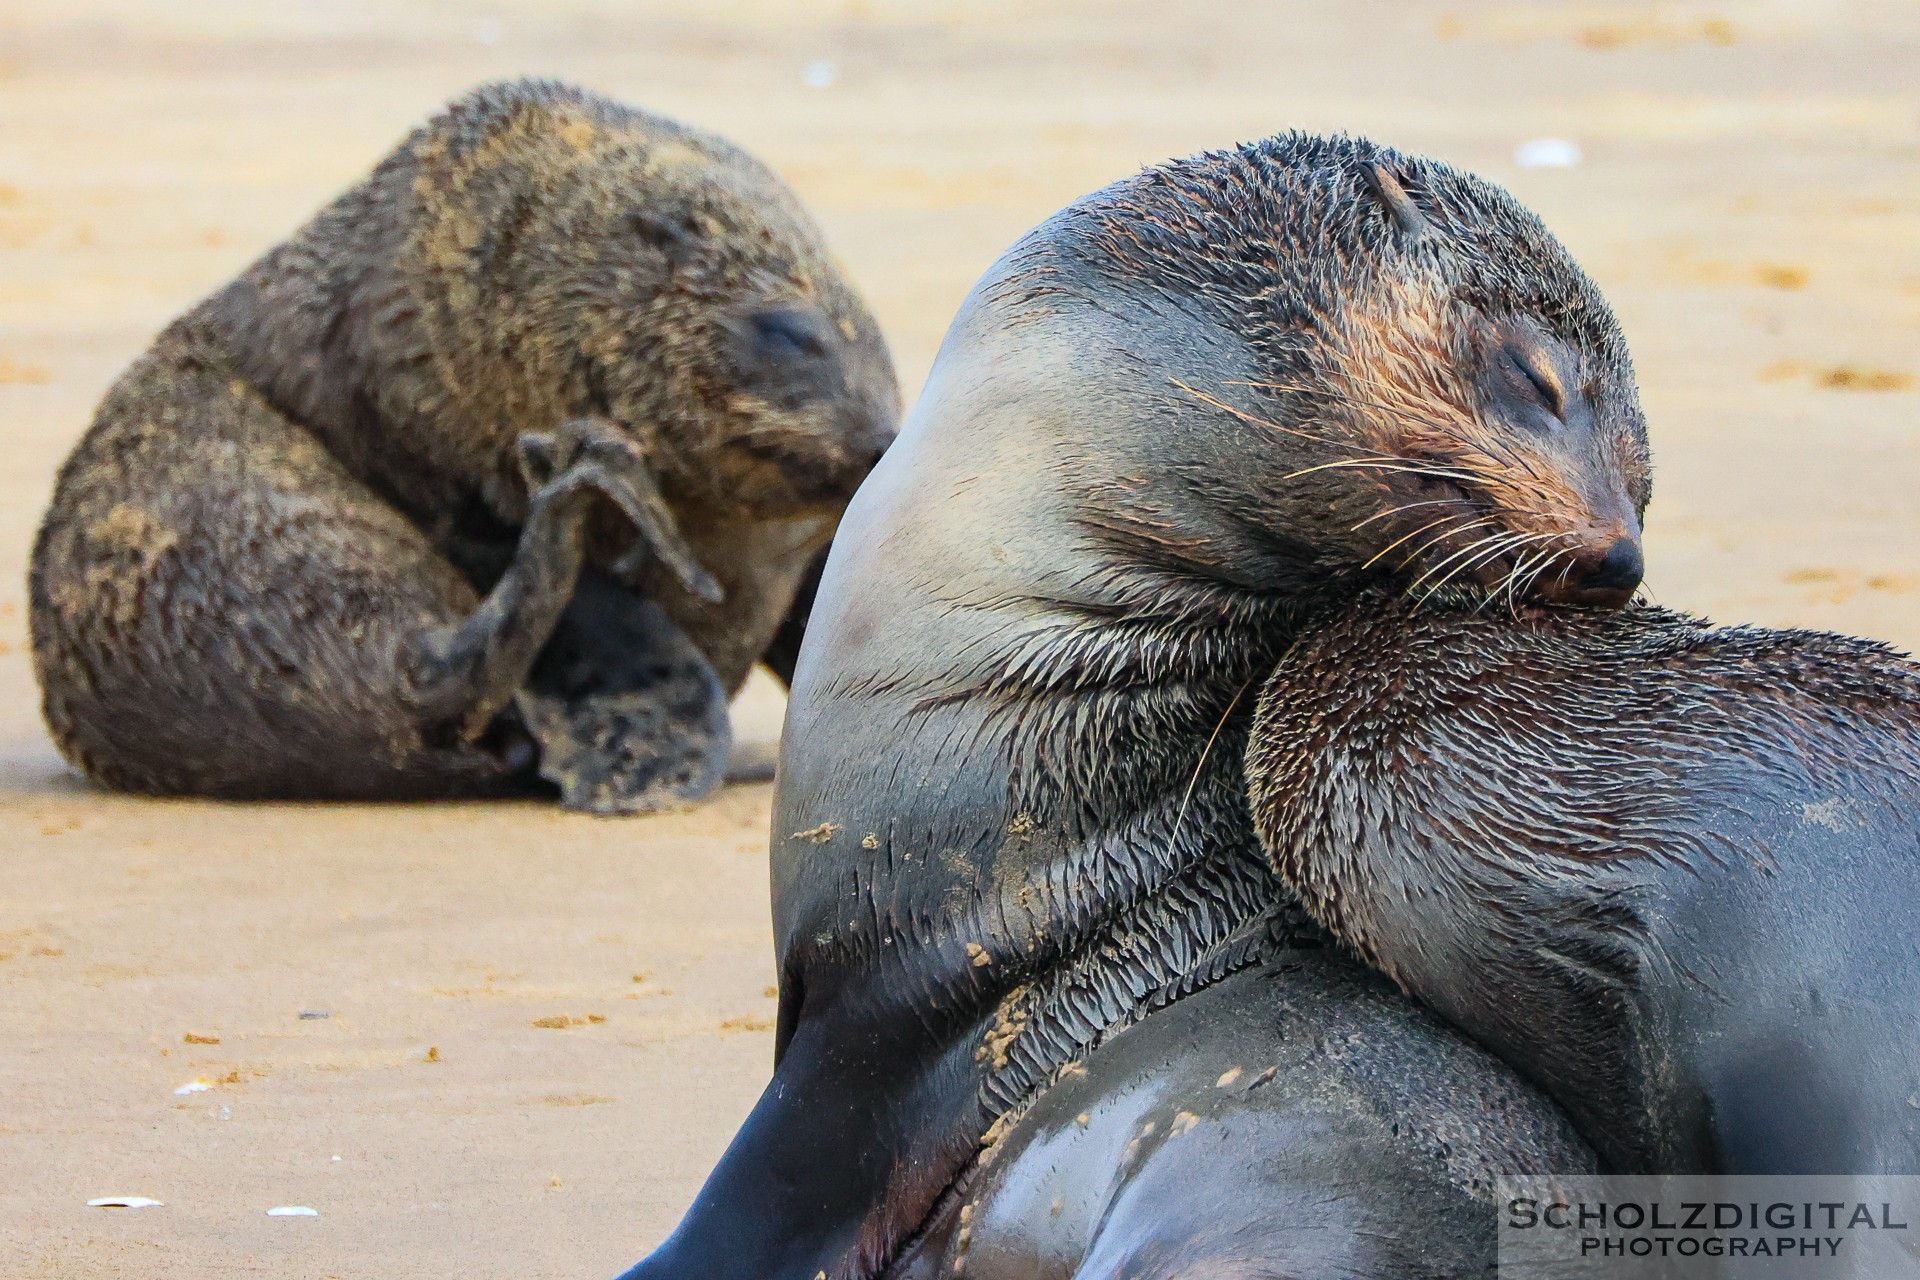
x,y
1480,551
1501,448
1398,413
1493,552
1258,421
1502,444
1206,751
1384,512
1518,576
1521,566
1399,466
1435,541
1469,517
1524,574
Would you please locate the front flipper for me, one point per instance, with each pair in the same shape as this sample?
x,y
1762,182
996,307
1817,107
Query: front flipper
x,y
464,675
629,715
622,474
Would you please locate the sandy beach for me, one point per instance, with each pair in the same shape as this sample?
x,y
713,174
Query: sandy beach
x,y
510,1041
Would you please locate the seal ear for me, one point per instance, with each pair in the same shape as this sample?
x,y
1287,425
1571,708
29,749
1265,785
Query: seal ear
x,y
1394,200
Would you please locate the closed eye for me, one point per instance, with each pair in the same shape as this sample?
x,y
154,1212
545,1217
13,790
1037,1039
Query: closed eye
x,y
1526,376
789,334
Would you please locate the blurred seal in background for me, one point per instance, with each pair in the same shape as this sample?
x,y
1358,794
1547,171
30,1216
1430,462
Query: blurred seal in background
x,y
507,465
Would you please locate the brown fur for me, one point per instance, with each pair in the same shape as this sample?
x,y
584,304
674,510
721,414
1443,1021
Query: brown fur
x,y
1404,353
1663,869
263,568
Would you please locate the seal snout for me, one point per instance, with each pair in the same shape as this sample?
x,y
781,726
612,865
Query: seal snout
x,y
1605,575
873,436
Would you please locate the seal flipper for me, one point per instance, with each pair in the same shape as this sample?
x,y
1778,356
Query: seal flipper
x,y
879,1093
639,497
629,715
464,675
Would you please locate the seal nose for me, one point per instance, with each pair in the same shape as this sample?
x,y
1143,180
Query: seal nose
x,y
872,449
864,454
1619,569
1603,578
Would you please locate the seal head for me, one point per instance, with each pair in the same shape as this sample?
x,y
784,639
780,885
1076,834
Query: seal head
x,y
567,256
1428,384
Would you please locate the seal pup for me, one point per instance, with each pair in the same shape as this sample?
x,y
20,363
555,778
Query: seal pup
x,y
534,431
1666,870
1011,815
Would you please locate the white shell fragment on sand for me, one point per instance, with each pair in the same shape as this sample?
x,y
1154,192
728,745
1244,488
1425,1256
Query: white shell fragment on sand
x,y
1547,153
124,1202
292,1211
192,1086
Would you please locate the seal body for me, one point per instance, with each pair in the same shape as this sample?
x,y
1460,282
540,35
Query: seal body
x,y
1295,1117
1011,819
324,538
1665,870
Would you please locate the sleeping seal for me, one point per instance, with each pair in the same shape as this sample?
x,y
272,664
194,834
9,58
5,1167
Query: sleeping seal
x,y
1011,818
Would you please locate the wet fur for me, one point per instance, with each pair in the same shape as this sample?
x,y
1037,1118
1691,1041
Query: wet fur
x,y
320,467
1011,824
1666,870
1194,1142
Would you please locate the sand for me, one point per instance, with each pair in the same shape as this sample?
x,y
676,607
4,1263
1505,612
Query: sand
x,y
541,1029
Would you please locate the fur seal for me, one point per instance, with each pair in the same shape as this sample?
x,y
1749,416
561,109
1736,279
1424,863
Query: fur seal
x,y
535,430
1011,817
1666,870
1196,1139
